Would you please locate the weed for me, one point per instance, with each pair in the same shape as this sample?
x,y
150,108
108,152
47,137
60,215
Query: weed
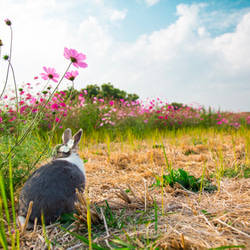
x,y
241,171
183,178
189,151
113,219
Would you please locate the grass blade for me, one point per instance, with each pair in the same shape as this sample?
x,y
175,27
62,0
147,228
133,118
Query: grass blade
x,y
227,247
89,220
156,216
83,239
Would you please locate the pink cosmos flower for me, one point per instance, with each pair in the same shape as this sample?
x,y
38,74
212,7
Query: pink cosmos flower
x,y
75,57
54,106
57,120
50,74
71,75
33,101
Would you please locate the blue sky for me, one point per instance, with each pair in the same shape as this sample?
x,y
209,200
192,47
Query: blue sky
x,y
145,19
179,51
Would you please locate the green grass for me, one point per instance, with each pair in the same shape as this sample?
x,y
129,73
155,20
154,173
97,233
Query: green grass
x,y
241,171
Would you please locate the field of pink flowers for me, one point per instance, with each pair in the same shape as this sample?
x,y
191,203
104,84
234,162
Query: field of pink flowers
x,y
99,113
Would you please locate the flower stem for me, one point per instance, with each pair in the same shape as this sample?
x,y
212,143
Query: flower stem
x,y
66,104
37,117
50,136
17,103
7,74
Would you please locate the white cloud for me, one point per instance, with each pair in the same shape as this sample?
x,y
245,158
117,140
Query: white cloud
x,y
94,36
115,15
235,47
151,2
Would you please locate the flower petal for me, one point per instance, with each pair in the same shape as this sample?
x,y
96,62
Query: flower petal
x,y
81,57
82,64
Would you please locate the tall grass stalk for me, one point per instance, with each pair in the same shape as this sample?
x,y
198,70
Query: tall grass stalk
x,y
108,145
162,176
202,179
3,202
3,239
88,219
130,139
169,165
156,215
121,140
247,140
13,235
219,168
44,231
235,158
162,190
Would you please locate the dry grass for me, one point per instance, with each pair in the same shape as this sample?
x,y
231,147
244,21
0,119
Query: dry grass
x,y
184,224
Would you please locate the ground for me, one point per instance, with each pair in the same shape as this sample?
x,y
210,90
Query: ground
x,y
122,174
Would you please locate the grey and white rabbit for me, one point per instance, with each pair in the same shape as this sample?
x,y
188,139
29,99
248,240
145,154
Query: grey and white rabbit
x,y
52,186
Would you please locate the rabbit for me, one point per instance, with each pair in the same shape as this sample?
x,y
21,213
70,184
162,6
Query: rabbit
x,y
52,187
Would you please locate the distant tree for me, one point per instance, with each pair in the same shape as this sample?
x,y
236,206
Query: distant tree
x,y
106,91
132,97
176,105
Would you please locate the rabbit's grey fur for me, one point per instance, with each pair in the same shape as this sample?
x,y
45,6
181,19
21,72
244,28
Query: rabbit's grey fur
x,y
52,186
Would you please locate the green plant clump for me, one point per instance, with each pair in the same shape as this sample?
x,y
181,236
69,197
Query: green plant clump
x,y
183,178
241,172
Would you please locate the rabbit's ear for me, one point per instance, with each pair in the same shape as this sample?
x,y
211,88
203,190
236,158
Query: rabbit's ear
x,y
67,135
77,137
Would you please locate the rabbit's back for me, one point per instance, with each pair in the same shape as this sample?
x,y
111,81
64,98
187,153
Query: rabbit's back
x,y
52,190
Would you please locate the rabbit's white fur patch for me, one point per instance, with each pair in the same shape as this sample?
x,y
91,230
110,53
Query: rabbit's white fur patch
x,y
22,222
76,160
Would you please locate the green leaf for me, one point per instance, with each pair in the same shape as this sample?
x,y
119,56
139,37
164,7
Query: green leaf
x,y
83,239
122,243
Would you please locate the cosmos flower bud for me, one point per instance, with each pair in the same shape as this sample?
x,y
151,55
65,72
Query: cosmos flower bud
x,y
1,44
8,22
6,57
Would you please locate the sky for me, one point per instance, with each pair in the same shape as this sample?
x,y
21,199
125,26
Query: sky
x,y
178,51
